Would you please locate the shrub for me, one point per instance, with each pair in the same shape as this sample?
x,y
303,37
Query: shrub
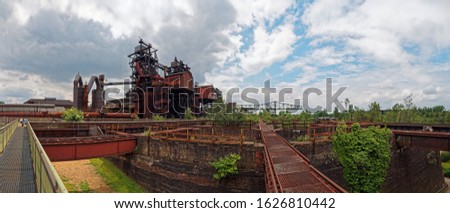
x,y
445,156
302,138
72,114
364,155
188,114
447,172
226,166
158,118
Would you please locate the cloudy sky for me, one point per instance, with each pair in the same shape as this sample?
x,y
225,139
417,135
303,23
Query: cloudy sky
x,y
381,50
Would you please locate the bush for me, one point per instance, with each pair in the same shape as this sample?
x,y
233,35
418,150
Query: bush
x,y
188,114
302,138
365,156
447,172
72,114
226,166
158,118
445,156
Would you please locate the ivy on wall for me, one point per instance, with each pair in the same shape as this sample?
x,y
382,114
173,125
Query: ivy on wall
x,y
364,154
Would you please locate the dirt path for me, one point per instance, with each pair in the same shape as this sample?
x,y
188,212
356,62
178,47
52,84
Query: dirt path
x,y
80,171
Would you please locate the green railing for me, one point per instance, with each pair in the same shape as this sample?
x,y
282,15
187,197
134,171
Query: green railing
x,y
6,133
47,180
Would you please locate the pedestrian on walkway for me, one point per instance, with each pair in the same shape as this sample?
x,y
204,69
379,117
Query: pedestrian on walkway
x,y
21,121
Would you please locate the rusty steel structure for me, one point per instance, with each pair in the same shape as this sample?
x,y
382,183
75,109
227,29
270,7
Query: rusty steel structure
x,y
422,139
287,170
81,93
66,149
156,89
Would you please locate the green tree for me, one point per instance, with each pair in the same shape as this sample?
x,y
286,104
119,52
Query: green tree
x,y
359,114
351,111
410,109
226,166
447,117
364,155
72,114
336,113
1,102
375,112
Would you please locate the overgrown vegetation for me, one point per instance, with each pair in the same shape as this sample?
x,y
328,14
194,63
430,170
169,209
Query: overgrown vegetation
x,y
222,113
445,156
447,172
446,164
72,114
226,166
188,114
158,118
364,155
405,112
114,177
302,138
71,187
147,133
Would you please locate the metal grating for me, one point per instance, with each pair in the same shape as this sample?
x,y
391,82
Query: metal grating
x,y
298,179
16,169
293,173
290,167
316,188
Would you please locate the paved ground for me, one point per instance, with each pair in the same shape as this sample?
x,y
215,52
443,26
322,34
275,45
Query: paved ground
x,y
16,169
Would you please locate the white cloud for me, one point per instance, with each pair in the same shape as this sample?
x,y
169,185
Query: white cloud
x,y
268,47
381,49
251,12
17,87
384,47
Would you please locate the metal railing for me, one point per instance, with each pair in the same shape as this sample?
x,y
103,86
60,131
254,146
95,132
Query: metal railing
x,y
47,179
6,133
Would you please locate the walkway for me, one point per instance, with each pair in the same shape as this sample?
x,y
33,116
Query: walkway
x,y
287,170
16,169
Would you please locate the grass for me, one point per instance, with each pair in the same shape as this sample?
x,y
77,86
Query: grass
x,y
83,187
446,166
114,177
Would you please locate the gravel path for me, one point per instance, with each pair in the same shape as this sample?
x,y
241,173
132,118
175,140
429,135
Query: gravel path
x,y
79,171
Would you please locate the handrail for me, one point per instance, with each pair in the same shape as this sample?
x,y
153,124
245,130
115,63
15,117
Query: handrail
x,y
6,133
47,179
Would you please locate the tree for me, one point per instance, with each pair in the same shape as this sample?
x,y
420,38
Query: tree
x,y
408,101
347,102
336,113
364,155
1,102
375,112
360,114
351,111
410,109
72,114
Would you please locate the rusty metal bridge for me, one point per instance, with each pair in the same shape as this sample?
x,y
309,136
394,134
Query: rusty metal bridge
x,y
287,170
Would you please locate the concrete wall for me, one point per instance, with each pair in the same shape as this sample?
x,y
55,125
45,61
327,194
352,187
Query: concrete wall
x,y
171,166
411,170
